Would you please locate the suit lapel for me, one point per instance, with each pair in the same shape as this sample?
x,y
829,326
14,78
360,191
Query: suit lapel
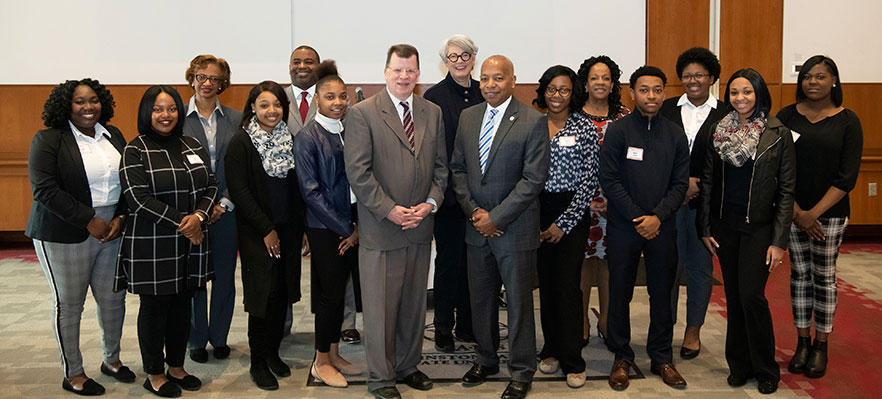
x,y
194,128
390,116
70,144
294,121
420,123
508,120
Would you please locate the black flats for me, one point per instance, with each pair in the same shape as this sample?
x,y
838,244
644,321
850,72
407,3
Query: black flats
x,y
167,390
189,382
90,388
122,374
687,353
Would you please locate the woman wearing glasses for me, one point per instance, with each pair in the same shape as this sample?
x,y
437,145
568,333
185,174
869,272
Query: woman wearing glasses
x,y
695,111
213,125
455,93
572,182
603,105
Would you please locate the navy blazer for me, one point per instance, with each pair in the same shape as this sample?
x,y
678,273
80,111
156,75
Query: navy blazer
x,y
62,205
227,126
321,174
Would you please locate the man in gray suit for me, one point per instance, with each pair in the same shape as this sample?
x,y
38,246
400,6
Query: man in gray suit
x,y
301,93
499,166
396,163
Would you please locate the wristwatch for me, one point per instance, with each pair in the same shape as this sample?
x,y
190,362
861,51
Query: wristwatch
x,y
199,216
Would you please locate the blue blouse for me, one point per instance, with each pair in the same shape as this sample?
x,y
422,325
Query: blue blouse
x,y
573,167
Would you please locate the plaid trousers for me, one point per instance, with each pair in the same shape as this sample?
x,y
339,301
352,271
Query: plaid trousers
x,y
813,274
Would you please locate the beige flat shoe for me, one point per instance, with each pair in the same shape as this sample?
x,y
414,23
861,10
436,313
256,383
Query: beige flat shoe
x,y
336,380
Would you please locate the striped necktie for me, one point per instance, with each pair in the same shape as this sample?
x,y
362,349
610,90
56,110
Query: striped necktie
x,y
408,123
486,139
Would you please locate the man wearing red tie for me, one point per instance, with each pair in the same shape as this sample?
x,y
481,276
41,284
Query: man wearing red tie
x,y
304,59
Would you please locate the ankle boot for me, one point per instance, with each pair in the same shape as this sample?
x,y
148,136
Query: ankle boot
x,y
800,356
817,360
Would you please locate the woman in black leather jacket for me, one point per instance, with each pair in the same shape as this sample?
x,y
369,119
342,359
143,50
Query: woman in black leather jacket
x,y
332,235
745,210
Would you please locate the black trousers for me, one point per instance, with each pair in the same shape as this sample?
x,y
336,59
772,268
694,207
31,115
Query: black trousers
x,y
164,323
265,333
329,271
451,284
559,268
660,255
750,339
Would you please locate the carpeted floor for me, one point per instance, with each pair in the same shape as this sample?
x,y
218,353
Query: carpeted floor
x,y
29,365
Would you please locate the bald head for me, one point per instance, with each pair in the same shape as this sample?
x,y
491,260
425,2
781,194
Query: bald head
x,y
497,80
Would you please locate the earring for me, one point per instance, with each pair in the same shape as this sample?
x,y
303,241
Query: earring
x,y
834,84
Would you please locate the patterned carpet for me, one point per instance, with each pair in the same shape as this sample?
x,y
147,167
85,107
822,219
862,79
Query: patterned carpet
x,y
29,365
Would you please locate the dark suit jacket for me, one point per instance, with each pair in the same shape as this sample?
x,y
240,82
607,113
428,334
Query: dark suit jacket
x,y
62,205
516,170
247,183
384,171
227,126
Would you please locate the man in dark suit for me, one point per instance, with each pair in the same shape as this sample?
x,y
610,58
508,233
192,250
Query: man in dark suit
x,y
499,167
396,162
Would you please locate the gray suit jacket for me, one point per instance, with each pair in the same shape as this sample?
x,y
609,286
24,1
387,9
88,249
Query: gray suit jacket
x,y
516,170
383,171
294,122
227,125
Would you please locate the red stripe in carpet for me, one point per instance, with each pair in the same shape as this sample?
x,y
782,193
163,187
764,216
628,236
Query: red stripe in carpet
x,y
854,367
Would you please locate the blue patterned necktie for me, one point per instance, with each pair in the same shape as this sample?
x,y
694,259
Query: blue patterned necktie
x,y
486,139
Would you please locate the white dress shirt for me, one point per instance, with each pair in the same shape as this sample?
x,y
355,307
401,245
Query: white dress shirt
x,y
209,126
101,161
693,117
399,108
298,94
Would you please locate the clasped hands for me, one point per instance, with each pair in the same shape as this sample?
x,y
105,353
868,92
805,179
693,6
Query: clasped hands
x,y
482,222
409,218
191,228
647,226
103,231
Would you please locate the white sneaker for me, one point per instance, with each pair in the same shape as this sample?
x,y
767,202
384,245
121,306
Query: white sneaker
x,y
576,380
549,365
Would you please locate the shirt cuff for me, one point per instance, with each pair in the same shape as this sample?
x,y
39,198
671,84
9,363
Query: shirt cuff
x,y
434,204
227,203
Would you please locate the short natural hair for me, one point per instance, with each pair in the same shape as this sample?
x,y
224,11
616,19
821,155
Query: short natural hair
x,y
201,62
56,110
700,56
306,47
647,70
403,51
462,41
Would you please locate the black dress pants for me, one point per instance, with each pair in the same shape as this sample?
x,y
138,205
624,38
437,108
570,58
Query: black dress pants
x,y
750,339
329,271
559,269
451,284
265,333
164,323
660,255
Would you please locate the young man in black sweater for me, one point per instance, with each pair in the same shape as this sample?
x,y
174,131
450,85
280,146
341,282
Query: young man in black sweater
x,y
644,172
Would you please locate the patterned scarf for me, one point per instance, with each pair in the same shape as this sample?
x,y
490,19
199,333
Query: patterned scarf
x,y
736,143
276,149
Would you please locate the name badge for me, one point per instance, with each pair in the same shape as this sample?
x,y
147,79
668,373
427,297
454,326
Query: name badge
x,y
194,159
85,148
635,154
567,141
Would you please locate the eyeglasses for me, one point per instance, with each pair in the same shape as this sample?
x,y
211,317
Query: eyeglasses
x,y
408,72
697,76
213,79
564,91
453,57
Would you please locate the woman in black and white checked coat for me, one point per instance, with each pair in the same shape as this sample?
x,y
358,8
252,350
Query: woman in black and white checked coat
x,y
170,188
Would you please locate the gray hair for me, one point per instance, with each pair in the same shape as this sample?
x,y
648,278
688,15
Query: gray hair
x,y
462,41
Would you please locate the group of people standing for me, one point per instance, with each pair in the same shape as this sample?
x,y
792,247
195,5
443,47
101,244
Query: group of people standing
x,y
513,198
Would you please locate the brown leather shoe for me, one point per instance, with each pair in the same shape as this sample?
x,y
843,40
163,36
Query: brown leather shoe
x,y
618,376
669,374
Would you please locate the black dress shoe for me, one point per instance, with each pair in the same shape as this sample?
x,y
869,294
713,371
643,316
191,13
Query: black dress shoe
x,y
167,390
418,380
122,374
816,366
90,388
189,382
221,352
800,355
735,380
278,367
464,336
687,353
767,387
263,378
350,336
444,342
478,373
516,390
386,393
199,355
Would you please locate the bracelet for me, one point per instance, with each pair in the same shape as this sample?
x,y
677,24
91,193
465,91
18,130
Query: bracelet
x,y
199,216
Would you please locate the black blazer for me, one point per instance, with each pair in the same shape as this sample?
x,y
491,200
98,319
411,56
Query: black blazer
x,y
62,205
671,112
